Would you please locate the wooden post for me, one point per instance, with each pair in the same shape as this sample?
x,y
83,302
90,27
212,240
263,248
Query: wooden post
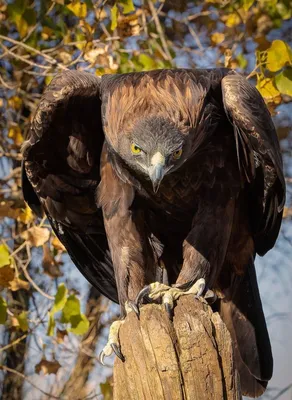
x,y
190,358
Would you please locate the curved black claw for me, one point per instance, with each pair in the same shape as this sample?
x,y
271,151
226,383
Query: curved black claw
x,y
210,296
141,295
134,307
201,290
117,351
101,357
169,310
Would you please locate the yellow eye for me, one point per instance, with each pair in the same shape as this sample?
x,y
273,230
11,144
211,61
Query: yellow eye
x,y
177,154
135,149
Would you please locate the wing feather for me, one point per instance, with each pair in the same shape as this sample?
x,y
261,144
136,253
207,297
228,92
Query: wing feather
x,y
258,153
61,172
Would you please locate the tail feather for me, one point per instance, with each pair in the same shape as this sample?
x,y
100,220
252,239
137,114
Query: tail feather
x,y
242,312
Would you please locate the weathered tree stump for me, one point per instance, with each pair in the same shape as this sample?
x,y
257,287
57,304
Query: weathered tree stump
x,y
190,358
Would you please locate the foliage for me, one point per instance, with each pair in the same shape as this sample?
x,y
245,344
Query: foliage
x,y
40,39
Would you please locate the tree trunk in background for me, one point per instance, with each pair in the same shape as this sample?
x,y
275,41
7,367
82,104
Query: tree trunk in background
x,y
75,387
190,358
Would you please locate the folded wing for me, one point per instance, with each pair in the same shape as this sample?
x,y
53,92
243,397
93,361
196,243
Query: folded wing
x,y
259,158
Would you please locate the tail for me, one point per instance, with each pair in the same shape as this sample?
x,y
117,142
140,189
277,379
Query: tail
x,y
242,312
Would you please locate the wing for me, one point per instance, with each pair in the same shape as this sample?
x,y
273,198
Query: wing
x,y
61,172
259,158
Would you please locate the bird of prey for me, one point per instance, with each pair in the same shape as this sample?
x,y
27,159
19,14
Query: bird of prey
x,y
163,183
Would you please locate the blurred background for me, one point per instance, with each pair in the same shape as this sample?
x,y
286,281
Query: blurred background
x,y
52,323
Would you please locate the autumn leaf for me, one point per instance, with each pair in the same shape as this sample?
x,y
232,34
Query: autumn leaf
x,y
25,216
57,244
36,236
17,284
232,20
14,133
4,256
278,55
267,89
61,333
3,311
114,17
15,102
22,321
50,265
71,314
217,37
60,301
7,210
78,8
284,82
127,6
47,367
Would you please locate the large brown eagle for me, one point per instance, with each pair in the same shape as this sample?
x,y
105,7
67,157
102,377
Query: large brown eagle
x,y
169,176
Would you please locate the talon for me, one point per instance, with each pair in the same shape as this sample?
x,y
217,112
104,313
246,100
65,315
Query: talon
x,y
143,293
210,296
117,350
132,306
169,310
113,345
101,357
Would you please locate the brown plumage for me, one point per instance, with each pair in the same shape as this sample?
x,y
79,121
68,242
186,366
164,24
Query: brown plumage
x,y
94,161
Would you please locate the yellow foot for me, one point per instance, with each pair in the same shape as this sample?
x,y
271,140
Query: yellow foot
x,y
113,343
168,294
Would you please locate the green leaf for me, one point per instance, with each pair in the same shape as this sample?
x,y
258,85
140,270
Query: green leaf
x,y
147,62
106,390
30,16
79,324
278,55
127,5
3,311
4,256
114,17
284,82
22,320
51,325
60,298
71,308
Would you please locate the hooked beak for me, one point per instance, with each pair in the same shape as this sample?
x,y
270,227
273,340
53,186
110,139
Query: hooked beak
x,y
157,170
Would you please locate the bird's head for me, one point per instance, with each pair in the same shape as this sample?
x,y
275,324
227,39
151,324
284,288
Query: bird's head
x,y
155,147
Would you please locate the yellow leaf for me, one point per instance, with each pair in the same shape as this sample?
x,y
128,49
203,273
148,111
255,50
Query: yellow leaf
x,y
78,8
267,89
22,320
4,256
114,17
217,37
232,20
57,244
36,236
18,284
15,102
14,133
47,33
26,216
278,55
22,26
47,367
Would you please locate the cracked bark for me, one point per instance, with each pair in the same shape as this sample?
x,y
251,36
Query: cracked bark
x,y
190,358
